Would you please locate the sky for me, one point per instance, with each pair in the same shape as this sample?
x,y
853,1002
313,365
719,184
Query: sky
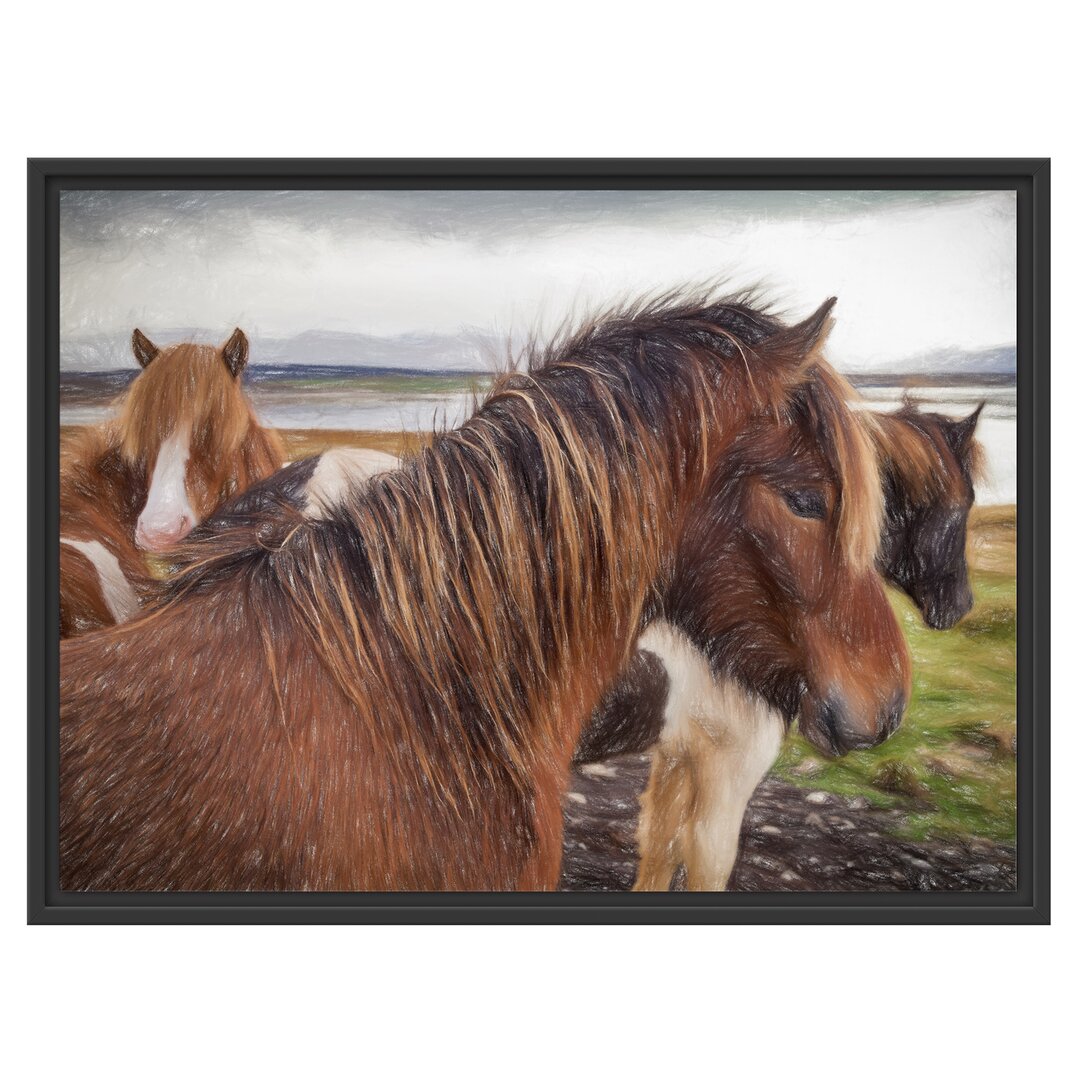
x,y
916,273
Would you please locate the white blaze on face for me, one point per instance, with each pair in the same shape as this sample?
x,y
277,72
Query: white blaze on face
x,y
167,516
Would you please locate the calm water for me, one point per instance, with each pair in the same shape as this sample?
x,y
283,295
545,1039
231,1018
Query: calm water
x,y
359,408
352,409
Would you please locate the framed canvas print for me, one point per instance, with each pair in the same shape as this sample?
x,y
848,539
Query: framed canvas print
x,y
539,541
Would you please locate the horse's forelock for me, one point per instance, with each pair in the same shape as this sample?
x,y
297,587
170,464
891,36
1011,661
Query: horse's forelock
x,y
846,440
188,387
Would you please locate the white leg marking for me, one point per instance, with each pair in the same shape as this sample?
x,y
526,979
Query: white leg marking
x,y
725,777
732,738
339,471
167,516
119,594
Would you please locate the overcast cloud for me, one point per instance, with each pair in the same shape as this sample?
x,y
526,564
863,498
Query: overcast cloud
x,y
916,272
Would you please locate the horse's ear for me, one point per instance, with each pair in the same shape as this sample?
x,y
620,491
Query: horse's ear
x,y
810,334
143,348
958,433
235,352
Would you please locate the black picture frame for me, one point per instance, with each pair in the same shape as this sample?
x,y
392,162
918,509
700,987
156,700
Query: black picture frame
x,y
1030,903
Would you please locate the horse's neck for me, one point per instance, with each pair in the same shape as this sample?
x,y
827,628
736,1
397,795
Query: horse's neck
x,y
585,555
260,455
97,485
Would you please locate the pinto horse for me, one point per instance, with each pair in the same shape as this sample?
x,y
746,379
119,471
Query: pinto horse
x,y
714,733
775,570
186,439
388,697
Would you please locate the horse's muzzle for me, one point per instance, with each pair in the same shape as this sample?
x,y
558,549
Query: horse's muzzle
x,y
943,610
834,727
158,538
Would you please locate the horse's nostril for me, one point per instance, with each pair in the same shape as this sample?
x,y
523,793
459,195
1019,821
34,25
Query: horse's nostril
x,y
828,717
947,607
836,733
836,729
160,538
893,713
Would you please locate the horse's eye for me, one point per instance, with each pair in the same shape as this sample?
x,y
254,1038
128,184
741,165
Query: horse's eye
x,y
807,503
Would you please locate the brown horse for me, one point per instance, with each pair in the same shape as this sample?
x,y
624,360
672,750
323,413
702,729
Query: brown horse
x,y
388,697
186,439
809,622
716,733
927,463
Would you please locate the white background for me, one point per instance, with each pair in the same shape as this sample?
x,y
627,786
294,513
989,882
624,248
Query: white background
x,y
614,79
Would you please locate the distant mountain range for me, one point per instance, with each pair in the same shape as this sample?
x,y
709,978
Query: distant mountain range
x,y
465,351
322,354
995,360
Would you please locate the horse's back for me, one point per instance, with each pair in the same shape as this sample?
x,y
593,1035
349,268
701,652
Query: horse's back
x,y
186,752
231,757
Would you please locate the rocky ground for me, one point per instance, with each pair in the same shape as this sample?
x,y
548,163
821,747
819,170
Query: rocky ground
x,y
793,839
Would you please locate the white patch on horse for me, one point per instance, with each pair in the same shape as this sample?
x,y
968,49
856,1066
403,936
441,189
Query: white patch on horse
x,y
598,768
118,593
732,737
340,471
167,516
691,686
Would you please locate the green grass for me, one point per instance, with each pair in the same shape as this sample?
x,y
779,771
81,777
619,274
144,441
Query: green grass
x,y
952,764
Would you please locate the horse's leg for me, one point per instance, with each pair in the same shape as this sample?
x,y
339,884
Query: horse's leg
x,y
664,808
728,762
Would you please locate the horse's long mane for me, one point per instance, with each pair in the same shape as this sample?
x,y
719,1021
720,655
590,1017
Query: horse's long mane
x,y
848,441
742,319
505,544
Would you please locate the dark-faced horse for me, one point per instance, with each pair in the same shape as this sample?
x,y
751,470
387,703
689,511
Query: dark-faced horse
x,y
186,439
388,697
929,466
